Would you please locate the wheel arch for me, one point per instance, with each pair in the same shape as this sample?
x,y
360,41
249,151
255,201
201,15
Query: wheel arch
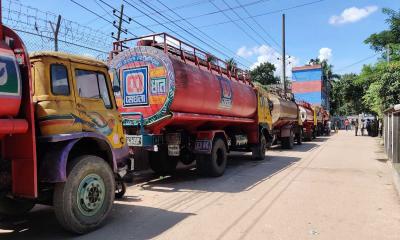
x,y
53,163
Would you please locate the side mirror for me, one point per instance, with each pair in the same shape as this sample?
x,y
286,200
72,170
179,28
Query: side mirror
x,y
116,88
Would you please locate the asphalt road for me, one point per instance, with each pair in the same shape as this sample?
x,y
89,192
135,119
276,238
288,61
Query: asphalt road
x,y
333,188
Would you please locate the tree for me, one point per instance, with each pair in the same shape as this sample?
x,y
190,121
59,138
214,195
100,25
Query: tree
x,y
231,63
264,74
387,39
383,81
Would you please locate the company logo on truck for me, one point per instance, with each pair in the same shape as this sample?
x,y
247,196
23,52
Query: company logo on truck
x,y
226,92
135,90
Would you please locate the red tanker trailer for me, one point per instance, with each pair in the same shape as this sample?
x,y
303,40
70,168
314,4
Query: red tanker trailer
x,y
307,116
182,104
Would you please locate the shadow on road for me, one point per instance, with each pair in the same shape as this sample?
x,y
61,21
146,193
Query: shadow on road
x,y
241,174
122,223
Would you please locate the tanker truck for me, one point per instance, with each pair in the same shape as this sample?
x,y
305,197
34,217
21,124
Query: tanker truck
x,y
182,104
61,138
308,120
285,125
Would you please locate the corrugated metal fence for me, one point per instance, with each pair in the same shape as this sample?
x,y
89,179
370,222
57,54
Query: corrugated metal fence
x,y
391,133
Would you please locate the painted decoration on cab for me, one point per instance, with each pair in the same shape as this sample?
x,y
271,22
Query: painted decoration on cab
x,y
135,90
9,77
226,92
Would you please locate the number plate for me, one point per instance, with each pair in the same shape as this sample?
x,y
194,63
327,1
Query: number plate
x,y
134,140
203,146
173,150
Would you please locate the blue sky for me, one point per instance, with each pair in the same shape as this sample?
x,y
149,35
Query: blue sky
x,y
338,27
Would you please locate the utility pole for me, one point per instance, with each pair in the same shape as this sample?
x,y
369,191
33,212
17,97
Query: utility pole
x,y
283,55
56,30
121,19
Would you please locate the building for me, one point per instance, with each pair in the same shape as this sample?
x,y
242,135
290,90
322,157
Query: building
x,y
310,84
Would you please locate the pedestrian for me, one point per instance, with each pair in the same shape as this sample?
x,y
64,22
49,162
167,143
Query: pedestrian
x,y
346,124
363,125
336,126
368,127
356,126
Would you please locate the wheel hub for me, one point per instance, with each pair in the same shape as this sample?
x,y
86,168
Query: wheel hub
x,y
90,195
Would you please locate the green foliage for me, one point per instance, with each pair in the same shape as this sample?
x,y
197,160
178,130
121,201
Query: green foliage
x,y
346,97
264,74
383,81
231,63
387,39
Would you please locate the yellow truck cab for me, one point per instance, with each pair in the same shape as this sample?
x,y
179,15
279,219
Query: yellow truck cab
x,y
82,150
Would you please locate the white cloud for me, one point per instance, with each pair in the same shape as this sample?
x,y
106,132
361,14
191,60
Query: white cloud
x,y
264,54
325,54
244,52
353,14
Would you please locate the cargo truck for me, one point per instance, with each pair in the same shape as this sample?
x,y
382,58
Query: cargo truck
x,y
61,136
180,103
308,120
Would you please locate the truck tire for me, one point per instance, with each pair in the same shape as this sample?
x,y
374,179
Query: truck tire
x,y
83,202
214,164
288,142
120,189
299,137
161,164
15,207
258,151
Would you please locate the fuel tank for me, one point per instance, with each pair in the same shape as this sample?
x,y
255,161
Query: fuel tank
x,y
283,111
159,85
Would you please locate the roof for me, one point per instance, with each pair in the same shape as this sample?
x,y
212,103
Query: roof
x,y
67,56
392,109
307,67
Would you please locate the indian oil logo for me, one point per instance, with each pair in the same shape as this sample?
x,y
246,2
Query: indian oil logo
x,y
135,83
135,86
226,92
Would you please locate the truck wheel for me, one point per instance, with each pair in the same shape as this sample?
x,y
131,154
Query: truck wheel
x,y
120,189
299,137
161,164
214,164
83,202
15,207
288,142
258,151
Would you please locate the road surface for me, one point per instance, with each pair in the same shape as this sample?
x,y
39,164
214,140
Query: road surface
x,y
332,188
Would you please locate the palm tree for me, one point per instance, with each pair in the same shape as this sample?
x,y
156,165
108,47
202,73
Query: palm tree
x,y
231,64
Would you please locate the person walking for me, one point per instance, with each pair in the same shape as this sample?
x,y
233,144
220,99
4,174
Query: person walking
x,y
368,127
356,126
363,126
346,124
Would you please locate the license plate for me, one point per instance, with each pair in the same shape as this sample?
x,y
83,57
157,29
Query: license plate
x,y
134,140
203,146
173,150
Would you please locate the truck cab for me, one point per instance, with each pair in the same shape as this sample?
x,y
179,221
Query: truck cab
x,y
75,152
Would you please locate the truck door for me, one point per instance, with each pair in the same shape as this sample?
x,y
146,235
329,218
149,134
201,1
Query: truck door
x,y
55,98
96,107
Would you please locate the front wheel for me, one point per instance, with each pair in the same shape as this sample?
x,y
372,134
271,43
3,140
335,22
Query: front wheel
x,y
15,207
258,151
83,202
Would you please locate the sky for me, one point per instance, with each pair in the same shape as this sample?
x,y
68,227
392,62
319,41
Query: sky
x,y
328,29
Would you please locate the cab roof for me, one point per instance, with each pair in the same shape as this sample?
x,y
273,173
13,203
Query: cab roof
x,y
67,56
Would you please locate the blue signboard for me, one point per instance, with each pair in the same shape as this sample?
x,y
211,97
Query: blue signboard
x,y
135,86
